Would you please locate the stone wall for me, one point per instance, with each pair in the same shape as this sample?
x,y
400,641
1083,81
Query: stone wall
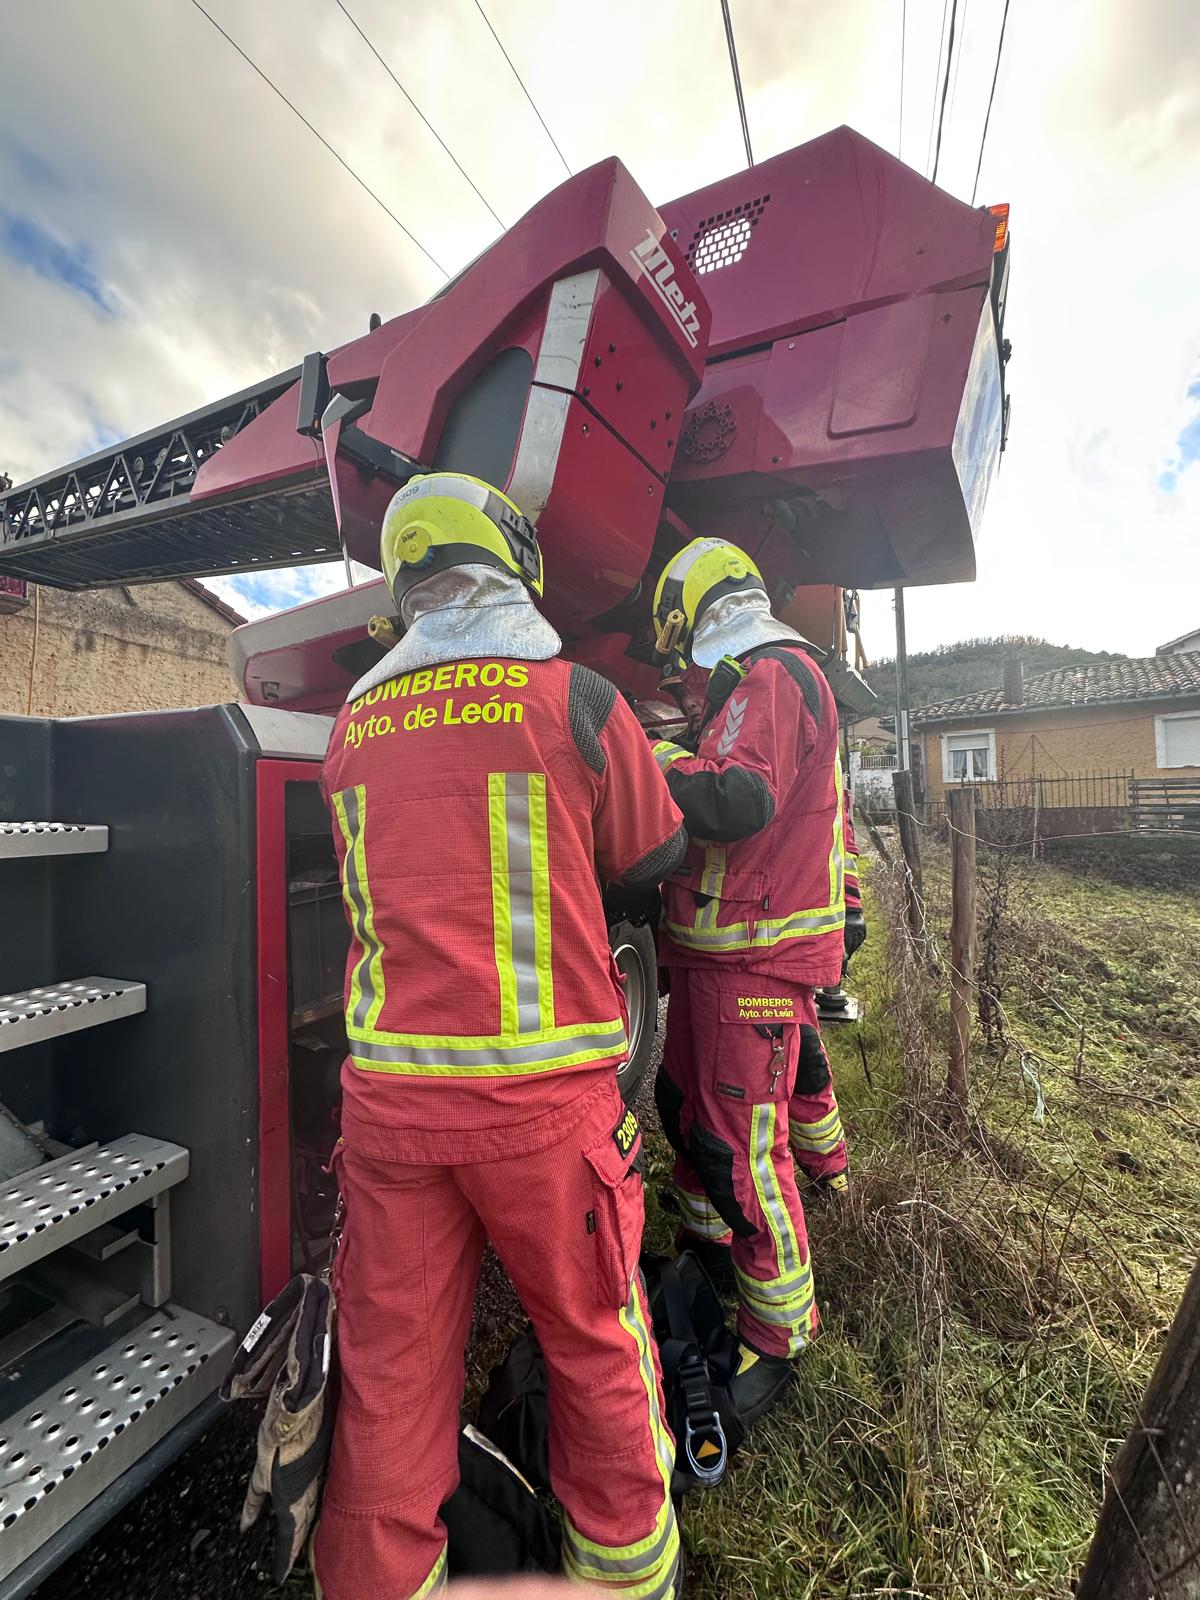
x,y
145,648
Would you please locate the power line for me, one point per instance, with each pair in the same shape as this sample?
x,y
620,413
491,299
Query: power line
x,y
362,183
937,154
958,63
991,97
737,80
937,72
362,35
524,90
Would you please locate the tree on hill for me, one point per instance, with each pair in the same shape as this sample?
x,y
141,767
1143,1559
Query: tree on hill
x,y
973,664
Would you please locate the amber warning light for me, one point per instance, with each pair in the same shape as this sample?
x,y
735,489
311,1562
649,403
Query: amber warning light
x,y
1000,213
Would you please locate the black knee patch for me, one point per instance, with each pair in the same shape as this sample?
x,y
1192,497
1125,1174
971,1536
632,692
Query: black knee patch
x,y
812,1070
713,1161
668,1097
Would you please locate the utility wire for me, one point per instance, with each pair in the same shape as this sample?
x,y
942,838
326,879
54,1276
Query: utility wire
x,y
737,80
991,97
958,63
362,183
937,72
524,90
937,154
363,36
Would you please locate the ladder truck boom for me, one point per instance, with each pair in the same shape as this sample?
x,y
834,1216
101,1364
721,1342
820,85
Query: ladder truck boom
x,y
807,358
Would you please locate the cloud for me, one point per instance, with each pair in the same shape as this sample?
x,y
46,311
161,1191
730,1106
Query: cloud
x,y
29,244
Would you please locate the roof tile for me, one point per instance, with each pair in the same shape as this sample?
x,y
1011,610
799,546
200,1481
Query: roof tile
x,y
1096,683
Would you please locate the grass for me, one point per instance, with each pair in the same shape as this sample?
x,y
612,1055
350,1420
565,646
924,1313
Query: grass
x,y
990,1315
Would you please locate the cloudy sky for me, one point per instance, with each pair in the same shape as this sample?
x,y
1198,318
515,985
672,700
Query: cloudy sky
x,y
170,233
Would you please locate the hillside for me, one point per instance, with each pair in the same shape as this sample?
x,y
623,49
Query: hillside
x,y
971,664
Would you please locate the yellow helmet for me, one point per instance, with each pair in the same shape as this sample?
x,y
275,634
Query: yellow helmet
x,y
702,572
448,519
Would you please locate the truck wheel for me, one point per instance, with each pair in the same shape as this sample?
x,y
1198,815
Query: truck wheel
x,y
637,961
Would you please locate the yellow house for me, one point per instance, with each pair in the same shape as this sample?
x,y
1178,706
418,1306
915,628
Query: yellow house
x,y
1140,718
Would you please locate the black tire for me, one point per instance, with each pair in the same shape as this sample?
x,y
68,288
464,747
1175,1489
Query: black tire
x,y
637,960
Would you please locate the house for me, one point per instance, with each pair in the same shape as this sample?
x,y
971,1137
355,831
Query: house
x,y
1185,643
1140,717
75,653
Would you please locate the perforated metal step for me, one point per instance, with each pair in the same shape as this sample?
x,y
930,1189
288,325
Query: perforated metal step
x,y
52,1206
51,839
35,1014
78,1437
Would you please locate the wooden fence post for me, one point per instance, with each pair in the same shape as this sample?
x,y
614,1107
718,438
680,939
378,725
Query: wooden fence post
x,y
910,845
1148,1534
962,945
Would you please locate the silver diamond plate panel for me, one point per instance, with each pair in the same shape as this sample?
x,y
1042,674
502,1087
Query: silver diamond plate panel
x,y
51,838
55,1204
36,1014
85,1431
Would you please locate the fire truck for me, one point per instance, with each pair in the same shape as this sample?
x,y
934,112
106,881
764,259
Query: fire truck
x,y
807,357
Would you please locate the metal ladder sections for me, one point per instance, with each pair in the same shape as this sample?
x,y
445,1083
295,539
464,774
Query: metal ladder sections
x,y
99,1365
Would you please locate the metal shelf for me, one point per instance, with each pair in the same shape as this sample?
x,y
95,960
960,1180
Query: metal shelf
x,y
51,839
36,1014
54,1205
70,1444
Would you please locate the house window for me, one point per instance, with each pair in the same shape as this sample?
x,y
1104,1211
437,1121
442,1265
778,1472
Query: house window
x,y
1177,739
969,757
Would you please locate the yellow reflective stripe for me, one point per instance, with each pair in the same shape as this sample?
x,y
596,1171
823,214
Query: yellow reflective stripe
x,y
367,989
539,850
700,1216
818,1137
465,1042
711,883
654,1559
501,900
436,1579
793,1264
667,754
479,1057
765,934
837,855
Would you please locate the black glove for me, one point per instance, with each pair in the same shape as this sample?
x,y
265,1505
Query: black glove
x,y
624,904
856,932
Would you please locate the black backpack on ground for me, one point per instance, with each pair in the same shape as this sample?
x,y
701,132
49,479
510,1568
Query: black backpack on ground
x,y
495,1523
698,1354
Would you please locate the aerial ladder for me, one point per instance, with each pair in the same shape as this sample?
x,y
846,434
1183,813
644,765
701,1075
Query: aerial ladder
x,y
808,358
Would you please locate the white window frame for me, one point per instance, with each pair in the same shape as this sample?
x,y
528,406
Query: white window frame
x,y
1160,739
987,735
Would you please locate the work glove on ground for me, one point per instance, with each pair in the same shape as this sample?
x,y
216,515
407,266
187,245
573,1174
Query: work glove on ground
x,y
286,1357
856,932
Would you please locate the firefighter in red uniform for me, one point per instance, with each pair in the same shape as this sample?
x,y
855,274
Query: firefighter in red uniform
x,y
752,925
479,785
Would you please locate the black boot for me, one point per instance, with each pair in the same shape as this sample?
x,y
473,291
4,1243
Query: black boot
x,y
758,1383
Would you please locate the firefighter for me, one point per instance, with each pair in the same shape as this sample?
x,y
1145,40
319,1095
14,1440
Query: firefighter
x,y
478,785
752,926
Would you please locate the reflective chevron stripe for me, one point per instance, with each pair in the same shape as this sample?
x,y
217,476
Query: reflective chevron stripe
x,y
367,991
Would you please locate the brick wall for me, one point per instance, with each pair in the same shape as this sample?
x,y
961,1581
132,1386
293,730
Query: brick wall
x,y
147,648
1107,739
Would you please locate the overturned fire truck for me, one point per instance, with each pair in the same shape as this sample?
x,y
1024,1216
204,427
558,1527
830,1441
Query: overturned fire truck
x,y
808,358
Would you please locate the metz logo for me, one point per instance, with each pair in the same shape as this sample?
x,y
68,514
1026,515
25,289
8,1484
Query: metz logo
x,y
656,264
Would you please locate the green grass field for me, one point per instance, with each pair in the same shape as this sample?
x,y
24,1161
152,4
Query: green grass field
x,y
991,1316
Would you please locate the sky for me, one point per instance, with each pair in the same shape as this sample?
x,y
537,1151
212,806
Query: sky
x,y
170,233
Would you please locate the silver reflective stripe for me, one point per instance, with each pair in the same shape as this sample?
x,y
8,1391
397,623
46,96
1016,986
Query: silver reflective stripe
x,y
738,937
769,1191
612,1039
589,1563
687,559
520,901
711,881
781,1289
357,893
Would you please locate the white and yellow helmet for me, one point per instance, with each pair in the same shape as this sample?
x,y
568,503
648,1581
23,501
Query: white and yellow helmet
x,y
703,571
448,519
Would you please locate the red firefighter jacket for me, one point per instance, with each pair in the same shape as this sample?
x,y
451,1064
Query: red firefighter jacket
x,y
762,886
474,803
853,891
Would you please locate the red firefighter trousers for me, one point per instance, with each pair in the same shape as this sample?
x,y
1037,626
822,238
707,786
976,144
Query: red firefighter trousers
x,y
737,1085
566,1221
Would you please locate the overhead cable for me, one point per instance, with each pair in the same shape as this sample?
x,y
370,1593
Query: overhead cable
x,y
362,183
937,73
991,97
903,44
737,80
937,154
524,90
366,40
